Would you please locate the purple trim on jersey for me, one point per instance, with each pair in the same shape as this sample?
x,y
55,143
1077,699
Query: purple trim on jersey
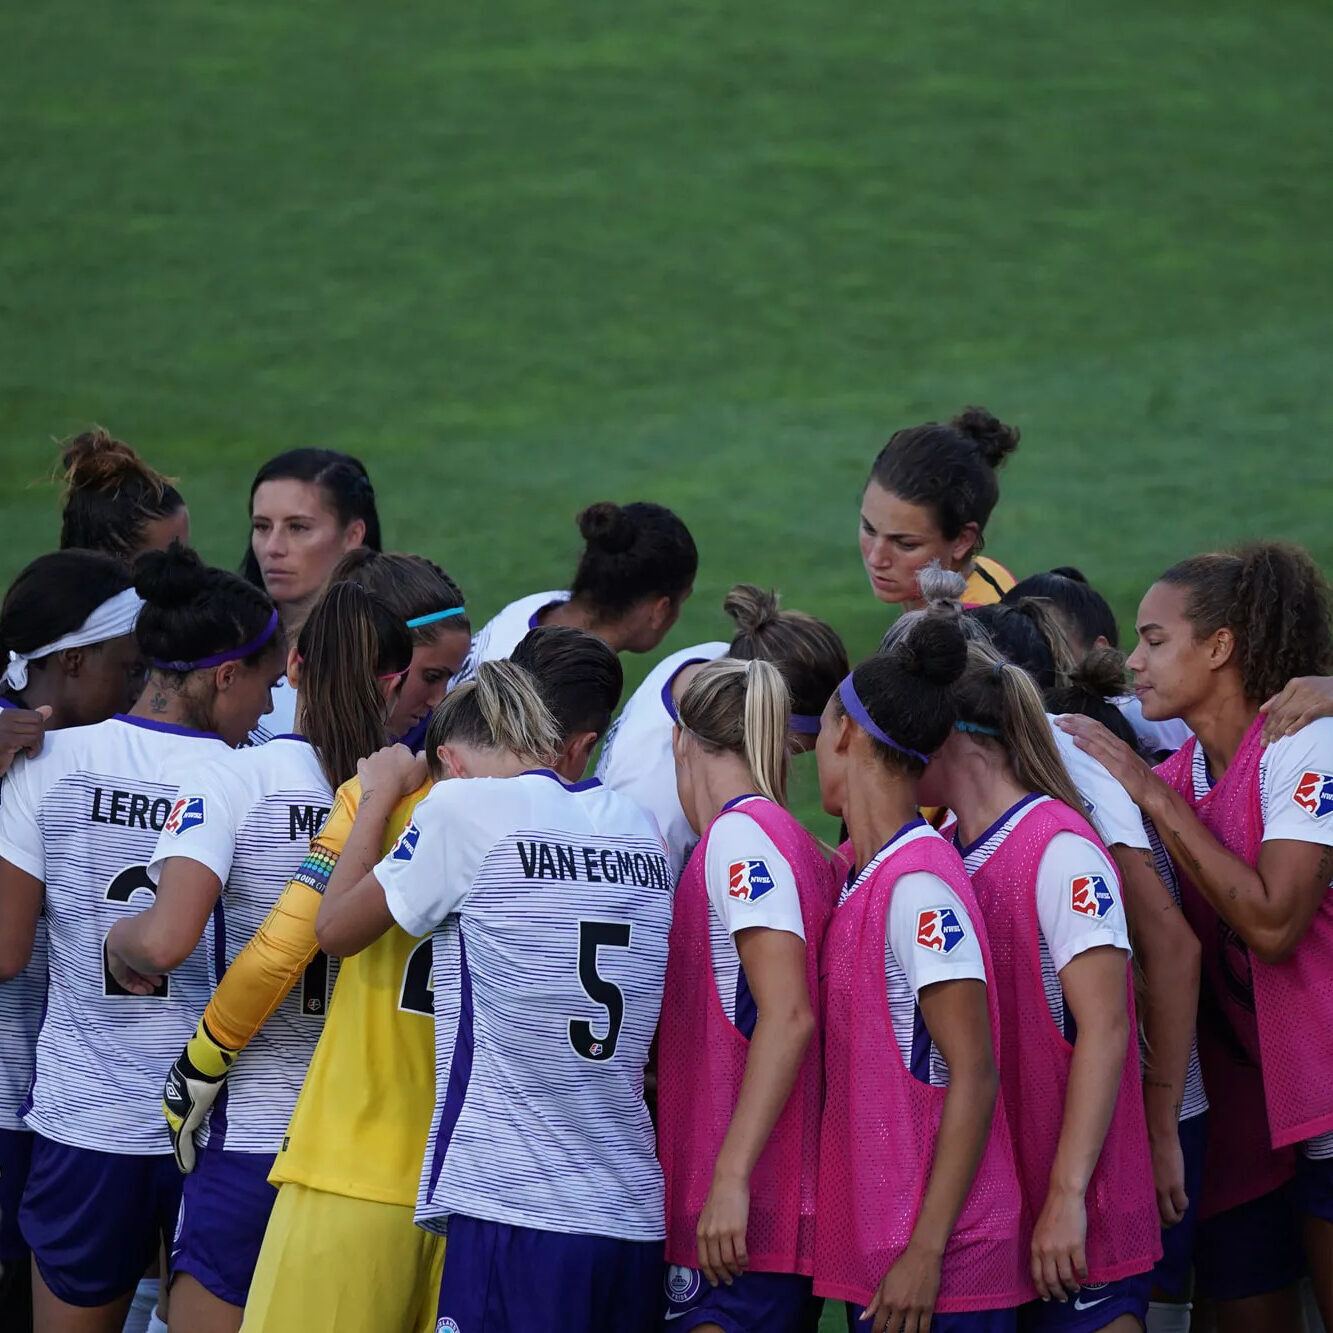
x,y
32,1082
535,619
736,800
747,1012
995,827
460,1070
289,736
921,1044
415,736
8,703
668,700
151,724
217,1133
588,784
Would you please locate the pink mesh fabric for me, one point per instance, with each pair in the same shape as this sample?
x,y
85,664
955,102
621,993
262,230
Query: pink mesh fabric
x,y
881,1123
1124,1232
701,1061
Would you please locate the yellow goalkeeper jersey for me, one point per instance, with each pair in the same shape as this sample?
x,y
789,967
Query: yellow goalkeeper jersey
x,y
987,583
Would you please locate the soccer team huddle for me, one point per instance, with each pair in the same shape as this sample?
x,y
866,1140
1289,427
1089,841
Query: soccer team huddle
x,y
368,965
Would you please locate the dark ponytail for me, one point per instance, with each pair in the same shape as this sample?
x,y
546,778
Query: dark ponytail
x,y
632,552
54,595
347,643
411,584
1028,634
1094,682
111,495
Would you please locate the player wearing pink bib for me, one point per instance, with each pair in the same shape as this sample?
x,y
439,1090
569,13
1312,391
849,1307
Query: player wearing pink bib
x,y
740,1079
1069,1045
1247,828
920,1210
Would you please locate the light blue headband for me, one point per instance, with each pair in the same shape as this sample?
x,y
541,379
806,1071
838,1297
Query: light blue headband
x,y
977,727
418,621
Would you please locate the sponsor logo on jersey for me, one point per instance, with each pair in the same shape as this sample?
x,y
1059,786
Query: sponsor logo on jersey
x,y
1314,794
749,880
187,813
939,930
1090,895
683,1284
405,848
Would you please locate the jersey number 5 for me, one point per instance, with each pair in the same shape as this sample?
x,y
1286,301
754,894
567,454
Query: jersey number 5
x,y
121,890
594,935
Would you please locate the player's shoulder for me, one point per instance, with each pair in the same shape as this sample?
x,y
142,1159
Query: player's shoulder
x,y
1313,741
1299,770
616,809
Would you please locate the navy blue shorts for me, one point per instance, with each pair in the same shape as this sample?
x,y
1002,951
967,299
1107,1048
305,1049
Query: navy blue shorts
x,y
1172,1274
1092,1308
94,1220
15,1156
224,1210
962,1321
1252,1249
503,1279
1314,1186
775,1302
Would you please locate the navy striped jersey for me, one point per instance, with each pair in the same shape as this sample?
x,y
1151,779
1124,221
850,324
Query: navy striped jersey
x,y
501,634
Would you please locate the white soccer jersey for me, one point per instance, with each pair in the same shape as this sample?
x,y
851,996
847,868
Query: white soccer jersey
x,y
282,719
84,817
1164,737
636,756
1109,807
249,817
502,633
553,907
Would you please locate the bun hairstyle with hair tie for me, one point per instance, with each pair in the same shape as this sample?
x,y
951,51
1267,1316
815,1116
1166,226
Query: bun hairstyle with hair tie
x,y
1095,681
501,708
1028,633
111,495
425,597
809,653
632,552
1273,599
742,708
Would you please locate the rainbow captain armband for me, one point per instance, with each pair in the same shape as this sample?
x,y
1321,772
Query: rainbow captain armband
x,y
314,872
192,1087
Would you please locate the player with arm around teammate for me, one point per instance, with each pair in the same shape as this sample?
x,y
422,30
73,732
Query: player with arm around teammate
x,y
78,827
551,908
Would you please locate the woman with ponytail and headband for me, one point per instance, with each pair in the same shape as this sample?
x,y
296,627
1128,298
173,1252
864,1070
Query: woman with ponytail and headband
x,y
78,827
740,1057
919,1205
1069,1058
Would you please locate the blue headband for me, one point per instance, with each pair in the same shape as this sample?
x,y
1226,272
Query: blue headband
x,y
806,724
417,621
856,710
976,727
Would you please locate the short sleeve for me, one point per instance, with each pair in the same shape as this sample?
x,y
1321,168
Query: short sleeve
x,y
1079,906
20,835
1109,807
931,933
750,883
1298,786
203,822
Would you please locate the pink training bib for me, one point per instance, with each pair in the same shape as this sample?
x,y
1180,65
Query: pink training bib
x,y
701,1061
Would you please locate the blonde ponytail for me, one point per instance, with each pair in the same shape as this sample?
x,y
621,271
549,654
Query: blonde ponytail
x,y
500,709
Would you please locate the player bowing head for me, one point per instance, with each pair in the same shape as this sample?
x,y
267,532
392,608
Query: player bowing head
x,y
1050,898
918,1208
1219,634
636,570
740,1057
78,827
550,907
930,493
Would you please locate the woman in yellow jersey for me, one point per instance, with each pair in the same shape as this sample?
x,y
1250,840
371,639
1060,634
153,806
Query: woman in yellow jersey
x,y
930,492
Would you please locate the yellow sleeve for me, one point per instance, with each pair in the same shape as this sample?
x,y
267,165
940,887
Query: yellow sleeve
x,y
270,965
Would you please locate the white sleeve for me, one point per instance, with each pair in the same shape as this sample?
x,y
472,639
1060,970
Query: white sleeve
x,y
1298,796
203,822
749,881
1078,899
1109,807
430,869
20,836
931,934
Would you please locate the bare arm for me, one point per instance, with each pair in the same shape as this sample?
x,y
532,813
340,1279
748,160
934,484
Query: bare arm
x,y
164,934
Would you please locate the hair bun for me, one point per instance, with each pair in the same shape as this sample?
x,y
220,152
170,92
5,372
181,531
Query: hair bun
x,y
751,607
941,588
1101,674
174,577
95,461
607,526
935,652
994,440
1071,573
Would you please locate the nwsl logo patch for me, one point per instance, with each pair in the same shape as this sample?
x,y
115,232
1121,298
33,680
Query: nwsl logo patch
x,y
939,930
187,813
405,848
1090,895
749,880
1314,794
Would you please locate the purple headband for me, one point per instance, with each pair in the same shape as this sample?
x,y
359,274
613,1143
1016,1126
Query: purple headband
x,y
807,724
856,710
228,655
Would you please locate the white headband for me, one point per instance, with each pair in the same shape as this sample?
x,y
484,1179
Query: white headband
x,y
115,616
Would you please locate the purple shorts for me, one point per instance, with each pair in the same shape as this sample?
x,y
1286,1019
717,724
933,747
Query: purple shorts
x,y
224,1210
15,1156
505,1279
94,1220
775,1302
1314,1186
1172,1274
963,1321
1092,1308
1252,1249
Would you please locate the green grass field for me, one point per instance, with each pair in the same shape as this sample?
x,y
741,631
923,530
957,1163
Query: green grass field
x,y
520,258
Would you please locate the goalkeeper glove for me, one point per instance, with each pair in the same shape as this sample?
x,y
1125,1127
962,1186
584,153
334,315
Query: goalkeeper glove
x,y
191,1089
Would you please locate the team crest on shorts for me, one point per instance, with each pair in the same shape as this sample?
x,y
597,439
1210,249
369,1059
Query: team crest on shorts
x,y
1090,895
447,1325
405,848
749,880
1314,794
683,1284
939,930
187,813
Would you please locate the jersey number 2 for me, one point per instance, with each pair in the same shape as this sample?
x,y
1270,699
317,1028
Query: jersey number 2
x,y
594,935
121,890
